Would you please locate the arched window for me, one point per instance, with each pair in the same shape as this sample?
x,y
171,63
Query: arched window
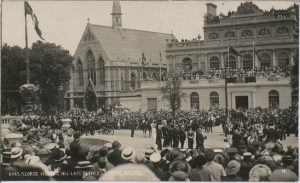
x,y
101,71
265,60
247,61
214,63
187,64
283,59
232,62
91,66
294,98
80,72
195,101
273,99
133,80
214,100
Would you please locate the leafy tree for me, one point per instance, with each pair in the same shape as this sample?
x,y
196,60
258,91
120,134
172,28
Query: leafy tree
x,y
13,62
49,69
172,91
295,75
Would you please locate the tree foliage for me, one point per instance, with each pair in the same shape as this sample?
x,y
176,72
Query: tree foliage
x,y
172,91
49,68
295,75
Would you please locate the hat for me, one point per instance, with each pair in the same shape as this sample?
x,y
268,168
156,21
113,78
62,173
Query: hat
x,y
51,146
277,158
155,157
58,155
259,172
247,155
102,151
209,154
231,150
139,158
130,172
116,144
269,145
148,152
180,165
218,150
76,135
32,160
174,154
108,145
84,165
16,152
283,175
178,176
233,167
128,153
200,160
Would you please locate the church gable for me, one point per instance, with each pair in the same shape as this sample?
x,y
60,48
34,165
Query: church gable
x,y
90,42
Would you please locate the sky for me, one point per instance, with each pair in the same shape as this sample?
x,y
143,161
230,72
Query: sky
x,y
63,22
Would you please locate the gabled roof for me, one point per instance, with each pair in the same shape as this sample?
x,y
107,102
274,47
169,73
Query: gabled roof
x,y
128,44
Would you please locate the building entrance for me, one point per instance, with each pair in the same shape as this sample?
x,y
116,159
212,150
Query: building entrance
x,y
241,102
91,101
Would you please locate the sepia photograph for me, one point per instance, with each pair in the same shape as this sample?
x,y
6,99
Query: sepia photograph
x,y
149,91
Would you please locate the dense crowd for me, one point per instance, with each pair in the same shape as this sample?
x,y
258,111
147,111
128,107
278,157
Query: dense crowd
x,y
254,151
239,74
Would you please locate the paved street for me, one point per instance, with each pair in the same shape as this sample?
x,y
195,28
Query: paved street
x,y
139,142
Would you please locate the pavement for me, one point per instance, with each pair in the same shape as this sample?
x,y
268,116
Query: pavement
x,y
140,143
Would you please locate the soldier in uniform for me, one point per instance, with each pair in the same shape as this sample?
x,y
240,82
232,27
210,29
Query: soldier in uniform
x,y
200,140
132,127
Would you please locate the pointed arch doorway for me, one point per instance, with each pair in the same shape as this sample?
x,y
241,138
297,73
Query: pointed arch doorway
x,y
90,99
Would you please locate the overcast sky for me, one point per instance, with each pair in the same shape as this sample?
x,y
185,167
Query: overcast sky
x,y
63,22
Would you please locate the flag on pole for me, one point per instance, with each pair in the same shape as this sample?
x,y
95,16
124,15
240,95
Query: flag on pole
x,y
256,53
144,62
233,51
160,65
29,11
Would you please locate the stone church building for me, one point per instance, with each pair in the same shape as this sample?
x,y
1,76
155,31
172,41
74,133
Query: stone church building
x,y
109,62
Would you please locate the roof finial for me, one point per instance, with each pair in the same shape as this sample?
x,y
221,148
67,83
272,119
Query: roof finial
x,y
88,19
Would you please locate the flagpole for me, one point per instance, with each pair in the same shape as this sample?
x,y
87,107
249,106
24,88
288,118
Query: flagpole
x,y
160,65
26,42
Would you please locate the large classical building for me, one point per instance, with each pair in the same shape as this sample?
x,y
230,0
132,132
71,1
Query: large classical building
x,y
109,57
109,62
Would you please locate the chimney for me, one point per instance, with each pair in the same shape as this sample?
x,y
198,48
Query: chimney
x,y
211,9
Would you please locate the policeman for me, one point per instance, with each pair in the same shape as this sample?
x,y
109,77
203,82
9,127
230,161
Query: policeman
x,y
190,135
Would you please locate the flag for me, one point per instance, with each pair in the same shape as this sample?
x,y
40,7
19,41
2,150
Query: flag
x,y
256,52
144,62
160,57
29,11
233,51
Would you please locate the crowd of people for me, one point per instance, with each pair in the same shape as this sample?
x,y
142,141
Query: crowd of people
x,y
239,74
253,153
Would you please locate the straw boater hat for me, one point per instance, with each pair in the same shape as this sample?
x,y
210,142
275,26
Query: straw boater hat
x,y
155,157
51,146
128,153
259,172
16,152
148,152
180,165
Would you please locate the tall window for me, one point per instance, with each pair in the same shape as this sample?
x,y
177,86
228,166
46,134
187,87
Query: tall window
x,y
247,61
214,63
232,62
294,98
91,66
265,60
133,81
283,59
101,71
187,64
80,72
273,99
214,100
195,101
